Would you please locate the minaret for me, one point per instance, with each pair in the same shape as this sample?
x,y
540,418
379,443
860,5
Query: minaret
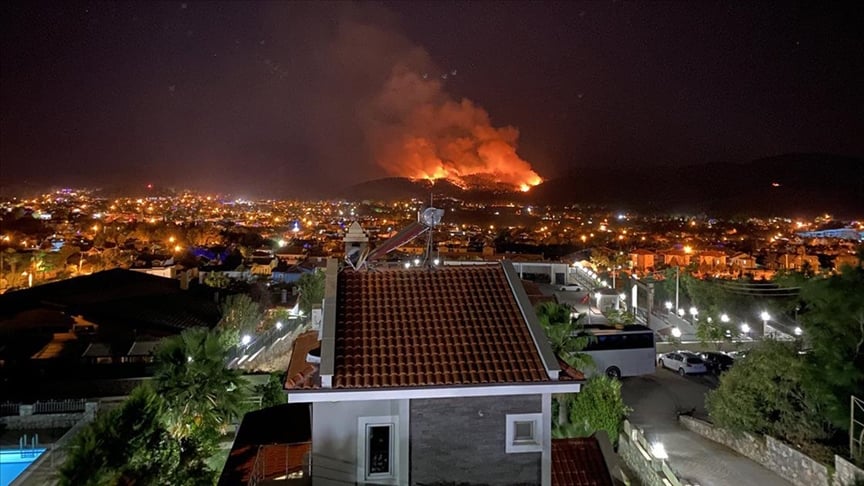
x,y
356,241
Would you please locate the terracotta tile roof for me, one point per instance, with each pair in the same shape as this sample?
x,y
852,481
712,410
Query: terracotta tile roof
x,y
420,327
302,374
267,452
579,462
568,372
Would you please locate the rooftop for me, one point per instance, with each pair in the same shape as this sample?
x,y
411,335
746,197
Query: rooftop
x,y
440,326
579,462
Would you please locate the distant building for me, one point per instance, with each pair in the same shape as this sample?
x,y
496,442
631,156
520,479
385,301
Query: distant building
x,y
642,260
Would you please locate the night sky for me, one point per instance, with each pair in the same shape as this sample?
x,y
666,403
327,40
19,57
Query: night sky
x,y
290,99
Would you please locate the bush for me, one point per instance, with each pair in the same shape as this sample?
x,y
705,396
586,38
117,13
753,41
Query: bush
x,y
598,406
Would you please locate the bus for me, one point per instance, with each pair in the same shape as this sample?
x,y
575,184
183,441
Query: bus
x,y
630,351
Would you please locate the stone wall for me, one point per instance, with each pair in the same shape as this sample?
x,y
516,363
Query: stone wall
x,y
846,473
27,420
784,460
463,440
47,421
636,453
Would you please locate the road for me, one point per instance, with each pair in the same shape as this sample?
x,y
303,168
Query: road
x,y
657,399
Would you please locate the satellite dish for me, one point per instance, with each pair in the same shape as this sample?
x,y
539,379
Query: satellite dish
x,y
431,217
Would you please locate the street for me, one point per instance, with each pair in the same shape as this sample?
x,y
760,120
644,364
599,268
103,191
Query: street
x,y
656,401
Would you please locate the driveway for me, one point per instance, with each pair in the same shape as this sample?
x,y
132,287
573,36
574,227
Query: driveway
x,y
656,401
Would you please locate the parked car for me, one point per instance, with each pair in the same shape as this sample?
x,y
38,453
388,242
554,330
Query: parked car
x,y
684,362
717,362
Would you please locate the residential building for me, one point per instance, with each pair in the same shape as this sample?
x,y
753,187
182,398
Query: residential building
x,y
430,375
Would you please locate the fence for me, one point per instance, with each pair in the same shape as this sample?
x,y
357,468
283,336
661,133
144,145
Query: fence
x,y
644,460
9,409
59,406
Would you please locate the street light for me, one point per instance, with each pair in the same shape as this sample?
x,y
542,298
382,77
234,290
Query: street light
x,y
724,318
798,331
668,306
765,316
278,324
681,312
745,329
658,451
245,340
676,332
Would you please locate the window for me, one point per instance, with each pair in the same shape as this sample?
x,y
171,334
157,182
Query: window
x,y
377,450
524,433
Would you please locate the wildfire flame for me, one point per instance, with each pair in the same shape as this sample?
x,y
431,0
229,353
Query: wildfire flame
x,y
422,133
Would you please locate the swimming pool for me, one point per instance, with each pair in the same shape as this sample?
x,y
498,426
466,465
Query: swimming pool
x,y
15,461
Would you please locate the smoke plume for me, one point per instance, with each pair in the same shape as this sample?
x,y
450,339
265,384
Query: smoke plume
x,y
414,128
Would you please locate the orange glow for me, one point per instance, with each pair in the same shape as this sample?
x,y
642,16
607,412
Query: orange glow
x,y
688,250
524,188
425,134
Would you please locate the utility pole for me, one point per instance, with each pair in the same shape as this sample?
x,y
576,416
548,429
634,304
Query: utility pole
x,y
677,272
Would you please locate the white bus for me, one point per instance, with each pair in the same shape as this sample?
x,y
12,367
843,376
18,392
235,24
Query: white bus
x,y
630,351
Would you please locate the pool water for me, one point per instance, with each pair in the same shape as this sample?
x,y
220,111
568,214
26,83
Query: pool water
x,y
12,463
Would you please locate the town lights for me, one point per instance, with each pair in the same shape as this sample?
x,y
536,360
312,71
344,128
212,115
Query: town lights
x,y
798,331
407,264
245,340
724,318
745,328
278,324
694,312
668,306
676,332
416,262
681,312
765,316
436,262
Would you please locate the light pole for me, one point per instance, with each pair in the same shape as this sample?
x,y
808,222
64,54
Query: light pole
x,y
765,316
677,272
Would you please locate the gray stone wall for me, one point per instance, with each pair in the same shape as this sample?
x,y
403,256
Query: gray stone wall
x,y
47,421
787,462
463,441
846,473
636,454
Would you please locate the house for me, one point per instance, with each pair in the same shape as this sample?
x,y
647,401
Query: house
x,y
430,375
642,260
712,258
743,261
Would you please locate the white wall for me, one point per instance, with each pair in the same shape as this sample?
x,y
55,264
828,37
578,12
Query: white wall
x,y
334,443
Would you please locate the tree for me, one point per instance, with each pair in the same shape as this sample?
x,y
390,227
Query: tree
x,y
564,338
598,406
217,280
833,322
311,287
131,445
563,334
240,314
765,393
201,394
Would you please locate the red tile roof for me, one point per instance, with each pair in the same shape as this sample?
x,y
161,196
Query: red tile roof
x,y
441,326
301,374
579,462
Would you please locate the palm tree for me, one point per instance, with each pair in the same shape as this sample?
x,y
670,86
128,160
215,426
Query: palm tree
x,y
202,395
563,335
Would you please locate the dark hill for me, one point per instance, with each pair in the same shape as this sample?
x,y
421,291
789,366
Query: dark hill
x,y
785,185
794,184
